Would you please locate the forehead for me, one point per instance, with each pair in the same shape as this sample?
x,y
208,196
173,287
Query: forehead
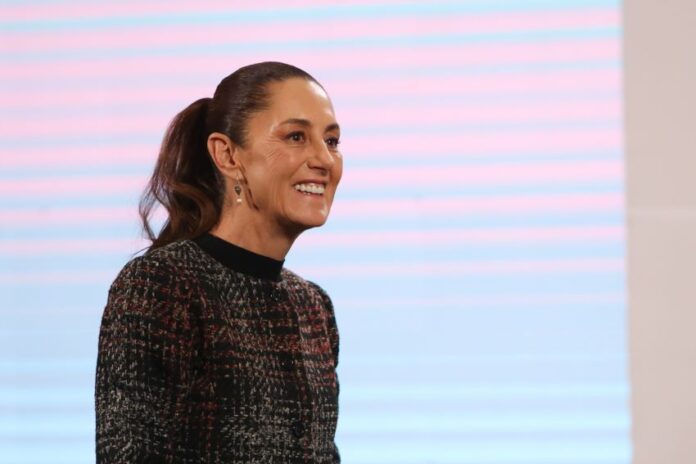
x,y
299,98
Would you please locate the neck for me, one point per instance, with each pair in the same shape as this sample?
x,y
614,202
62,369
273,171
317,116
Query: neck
x,y
247,229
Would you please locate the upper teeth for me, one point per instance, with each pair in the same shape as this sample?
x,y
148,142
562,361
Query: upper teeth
x,y
311,188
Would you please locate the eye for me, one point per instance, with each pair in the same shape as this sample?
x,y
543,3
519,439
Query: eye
x,y
296,136
333,142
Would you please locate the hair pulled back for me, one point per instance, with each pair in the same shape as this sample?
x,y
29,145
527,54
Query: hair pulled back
x,y
185,179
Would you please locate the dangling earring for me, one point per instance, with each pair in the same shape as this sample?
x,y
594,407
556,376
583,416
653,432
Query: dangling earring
x,y
238,190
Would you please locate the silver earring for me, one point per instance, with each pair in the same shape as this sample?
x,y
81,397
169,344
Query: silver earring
x,y
238,190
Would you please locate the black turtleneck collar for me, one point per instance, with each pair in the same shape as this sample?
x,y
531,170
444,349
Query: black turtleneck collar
x,y
240,259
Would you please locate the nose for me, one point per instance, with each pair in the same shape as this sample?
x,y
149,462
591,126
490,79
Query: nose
x,y
323,158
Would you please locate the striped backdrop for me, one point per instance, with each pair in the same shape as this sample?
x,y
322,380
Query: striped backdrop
x,y
475,251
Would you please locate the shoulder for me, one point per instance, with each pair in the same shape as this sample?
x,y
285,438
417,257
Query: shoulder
x,y
322,293
161,266
161,282
313,288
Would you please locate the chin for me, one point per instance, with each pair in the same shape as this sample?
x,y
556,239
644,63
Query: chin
x,y
309,224
294,226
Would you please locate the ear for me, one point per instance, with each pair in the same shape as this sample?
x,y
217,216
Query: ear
x,y
224,153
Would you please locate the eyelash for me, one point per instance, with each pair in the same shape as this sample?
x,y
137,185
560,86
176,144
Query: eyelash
x,y
335,140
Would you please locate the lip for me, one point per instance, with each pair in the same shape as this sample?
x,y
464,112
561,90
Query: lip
x,y
311,181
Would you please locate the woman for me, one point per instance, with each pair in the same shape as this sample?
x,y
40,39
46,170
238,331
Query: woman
x,y
210,351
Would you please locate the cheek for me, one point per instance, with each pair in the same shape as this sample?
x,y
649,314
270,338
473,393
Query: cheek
x,y
279,175
337,171
272,170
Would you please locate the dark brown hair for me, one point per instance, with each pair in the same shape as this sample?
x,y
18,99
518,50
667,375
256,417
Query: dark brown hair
x,y
185,180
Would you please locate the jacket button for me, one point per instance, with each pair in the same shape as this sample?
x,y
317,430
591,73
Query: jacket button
x,y
297,429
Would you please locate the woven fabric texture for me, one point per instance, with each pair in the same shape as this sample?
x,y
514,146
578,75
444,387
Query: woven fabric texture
x,y
199,363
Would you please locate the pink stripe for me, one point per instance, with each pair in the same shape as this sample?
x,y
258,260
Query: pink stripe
x,y
410,177
254,32
49,125
493,112
421,238
393,116
488,205
88,186
355,87
417,146
352,209
211,68
365,270
68,216
67,157
489,84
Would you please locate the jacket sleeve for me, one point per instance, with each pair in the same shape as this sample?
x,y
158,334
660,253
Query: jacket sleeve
x,y
334,338
332,327
144,354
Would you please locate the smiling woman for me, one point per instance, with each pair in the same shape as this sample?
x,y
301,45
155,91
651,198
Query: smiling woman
x,y
291,147
210,350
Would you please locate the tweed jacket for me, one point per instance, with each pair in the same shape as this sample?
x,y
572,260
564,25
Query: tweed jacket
x,y
209,353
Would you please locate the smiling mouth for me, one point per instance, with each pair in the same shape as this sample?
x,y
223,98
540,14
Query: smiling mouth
x,y
310,189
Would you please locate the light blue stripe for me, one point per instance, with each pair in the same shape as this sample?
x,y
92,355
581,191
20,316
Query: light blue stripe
x,y
77,449
48,367
12,265
403,192
401,421
528,403
87,365
469,284
331,12
455,452
482,221
447,373
359,393
446,159
306,250
366,160
341,104
464,251
56,141
440,300
24,57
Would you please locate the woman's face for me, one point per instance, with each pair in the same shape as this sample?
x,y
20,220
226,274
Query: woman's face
x,y
291,163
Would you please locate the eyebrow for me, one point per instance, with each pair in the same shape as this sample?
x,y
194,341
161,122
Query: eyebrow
x,y
307,123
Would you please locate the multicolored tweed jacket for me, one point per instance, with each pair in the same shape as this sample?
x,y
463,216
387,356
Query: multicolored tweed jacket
x,y
209,353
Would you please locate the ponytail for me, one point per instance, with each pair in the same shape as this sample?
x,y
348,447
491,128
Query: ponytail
x,y
185,181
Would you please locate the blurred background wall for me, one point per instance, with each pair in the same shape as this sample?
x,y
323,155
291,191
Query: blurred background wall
x,y
475,253
661,216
